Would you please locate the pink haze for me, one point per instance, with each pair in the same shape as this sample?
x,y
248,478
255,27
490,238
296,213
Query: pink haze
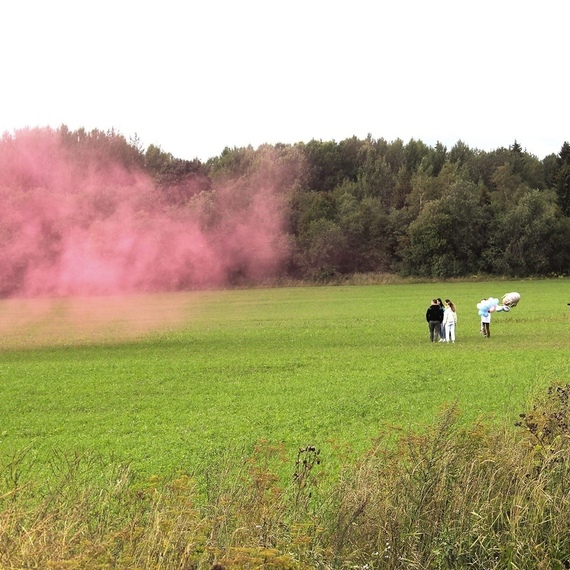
x,y
79,226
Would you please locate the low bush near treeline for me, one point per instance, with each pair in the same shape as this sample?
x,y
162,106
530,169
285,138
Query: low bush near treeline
x,y
451,496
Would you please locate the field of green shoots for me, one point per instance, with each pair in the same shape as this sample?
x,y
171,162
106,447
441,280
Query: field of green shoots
x,y
168,382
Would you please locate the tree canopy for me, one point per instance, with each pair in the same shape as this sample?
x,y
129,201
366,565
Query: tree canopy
x,y
353,206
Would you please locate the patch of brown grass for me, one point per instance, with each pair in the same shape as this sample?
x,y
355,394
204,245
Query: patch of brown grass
x,y
450,497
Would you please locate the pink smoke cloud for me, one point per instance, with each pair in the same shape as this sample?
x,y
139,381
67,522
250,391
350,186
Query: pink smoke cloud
x,y
82,224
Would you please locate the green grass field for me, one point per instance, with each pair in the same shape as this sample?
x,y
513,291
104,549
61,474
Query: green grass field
x,y
167,382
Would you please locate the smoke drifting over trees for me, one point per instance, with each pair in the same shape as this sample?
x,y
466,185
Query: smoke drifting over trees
x,y
89,213
82,215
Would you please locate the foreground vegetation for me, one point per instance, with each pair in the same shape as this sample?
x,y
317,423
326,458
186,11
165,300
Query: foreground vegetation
x,y
285,428
481,497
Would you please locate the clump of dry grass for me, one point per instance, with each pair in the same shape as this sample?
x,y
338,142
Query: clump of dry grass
x,y
459,498
450,497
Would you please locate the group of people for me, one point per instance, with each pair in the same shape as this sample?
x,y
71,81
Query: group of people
x,y
442,320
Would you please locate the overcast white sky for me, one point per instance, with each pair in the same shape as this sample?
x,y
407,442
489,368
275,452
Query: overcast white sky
x,y
196,76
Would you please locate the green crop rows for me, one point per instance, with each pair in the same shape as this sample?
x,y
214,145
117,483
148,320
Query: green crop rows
x,y
163,382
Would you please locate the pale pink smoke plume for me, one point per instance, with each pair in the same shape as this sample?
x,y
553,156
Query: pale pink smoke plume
x,y
87,226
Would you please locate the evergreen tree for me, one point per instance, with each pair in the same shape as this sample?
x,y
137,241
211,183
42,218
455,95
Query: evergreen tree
x,y
563,179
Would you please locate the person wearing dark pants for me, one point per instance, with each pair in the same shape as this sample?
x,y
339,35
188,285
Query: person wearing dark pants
x,y
434,317
486,325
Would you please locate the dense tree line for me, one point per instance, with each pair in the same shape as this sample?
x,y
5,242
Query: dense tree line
x,y
358,206
377,206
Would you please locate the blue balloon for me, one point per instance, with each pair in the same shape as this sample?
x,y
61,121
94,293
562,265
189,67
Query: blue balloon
x,y
485,305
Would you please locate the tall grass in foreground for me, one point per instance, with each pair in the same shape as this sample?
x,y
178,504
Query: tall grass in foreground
x,y
482,496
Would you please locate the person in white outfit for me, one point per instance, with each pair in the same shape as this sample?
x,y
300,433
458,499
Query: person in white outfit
x,y
449,320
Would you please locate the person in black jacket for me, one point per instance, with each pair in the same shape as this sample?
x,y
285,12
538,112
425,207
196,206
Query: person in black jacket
x,y
434,317
441,327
